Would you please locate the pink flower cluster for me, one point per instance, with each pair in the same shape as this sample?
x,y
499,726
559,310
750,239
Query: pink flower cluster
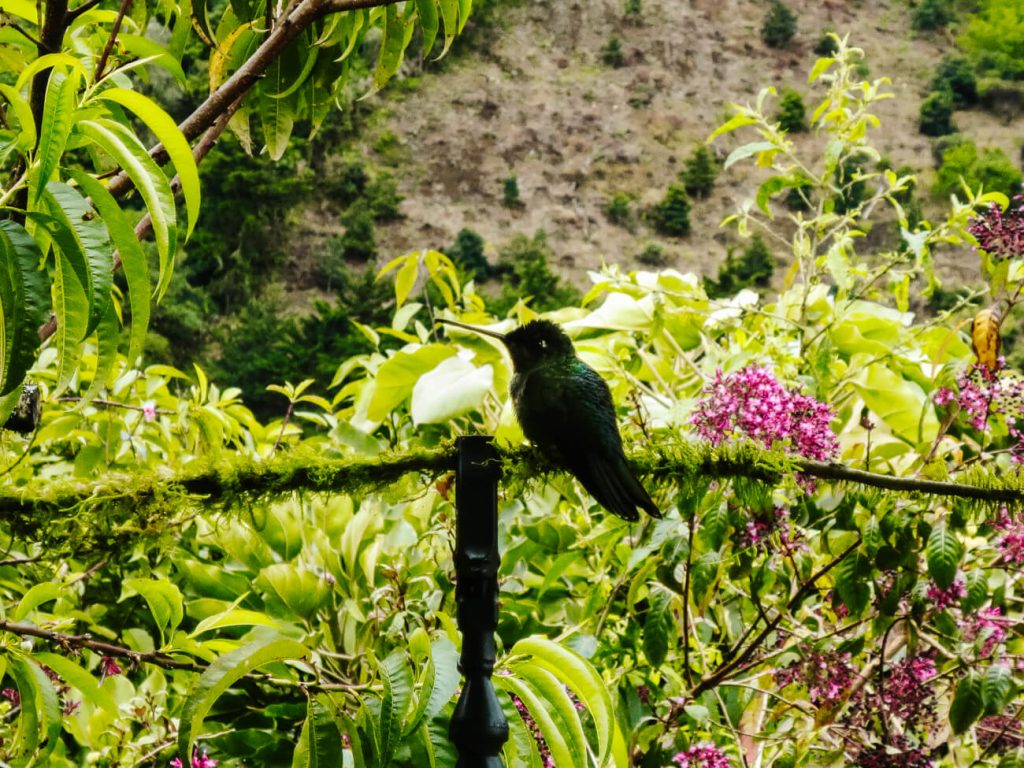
x,y
828,676
1000,732
704,754
989,625
199,760
1001,233
944,598
751,403
982,392
760,527
892,757
903,694
1012,542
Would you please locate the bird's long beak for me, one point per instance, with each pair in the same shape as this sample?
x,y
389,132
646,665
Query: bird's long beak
x,y
473,328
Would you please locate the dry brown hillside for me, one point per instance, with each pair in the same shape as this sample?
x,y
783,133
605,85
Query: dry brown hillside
x,y
534,100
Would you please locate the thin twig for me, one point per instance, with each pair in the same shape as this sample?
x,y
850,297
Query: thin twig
x,y
74,13
114,30
686,600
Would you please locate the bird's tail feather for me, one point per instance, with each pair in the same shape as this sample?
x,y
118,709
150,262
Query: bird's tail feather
x,y
614,486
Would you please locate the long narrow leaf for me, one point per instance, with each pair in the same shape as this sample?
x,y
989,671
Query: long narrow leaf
x,y
134,263
561,751
220,676
84,239
559,705
397,679
319,743
166,131
26,123
24,304
39,724
106,353
114,139
58,117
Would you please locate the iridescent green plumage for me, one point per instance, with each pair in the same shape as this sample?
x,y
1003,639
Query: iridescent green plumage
x,y
565,408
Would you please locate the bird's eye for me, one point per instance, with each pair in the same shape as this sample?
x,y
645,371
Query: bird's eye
x,y
543,344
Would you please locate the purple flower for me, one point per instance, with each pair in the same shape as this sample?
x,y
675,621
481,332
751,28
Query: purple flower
x,y
702,755
11,695
828,676
1000,233
989,626
109,667
1000,732
944,598
903,695
1012,542
892,757
199,760
752,404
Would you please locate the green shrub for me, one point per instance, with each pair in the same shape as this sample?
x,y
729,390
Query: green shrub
x,y
358,241
633,11
347,183
383,198
990,168
852,190
827,45
468,254
753,267
779,25
700,172
792,112
932,14
653,255
510,192
994,39
612,55
956,76
1004,98
524,265
672,215
618,208
936,115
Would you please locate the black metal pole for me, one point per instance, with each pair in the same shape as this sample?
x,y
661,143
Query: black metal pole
x,y
478,727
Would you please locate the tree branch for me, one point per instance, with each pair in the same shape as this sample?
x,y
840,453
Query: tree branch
x,y
114,30
78,642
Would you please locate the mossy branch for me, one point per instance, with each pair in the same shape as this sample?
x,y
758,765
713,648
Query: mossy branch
x,y
105,514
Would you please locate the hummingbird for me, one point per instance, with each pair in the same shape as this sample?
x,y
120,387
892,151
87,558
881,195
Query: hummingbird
x,y
565,408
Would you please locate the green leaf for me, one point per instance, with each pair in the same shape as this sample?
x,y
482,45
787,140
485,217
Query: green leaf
x,y
851,582
300,589
26,136
167,133
562,751
107,336
58,116
559,705
134,263
659,626
582,679
454,387
733,123
84,239
427,10
277,114
396,378
943,552
114,139
714,525
36,596
164,600
819,68
450,17
24,304
39,724
465,8
220,675
397,30
966,706
746,151
434,746
397,679
902,404
71,305
91,690
977,590
996,688
320,742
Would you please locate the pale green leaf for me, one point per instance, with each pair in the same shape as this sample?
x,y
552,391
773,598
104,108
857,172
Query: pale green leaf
x,y
452,388
164,599
397,377
58,117
91,690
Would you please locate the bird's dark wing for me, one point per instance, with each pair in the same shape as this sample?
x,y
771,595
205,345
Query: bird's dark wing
x,y
573,421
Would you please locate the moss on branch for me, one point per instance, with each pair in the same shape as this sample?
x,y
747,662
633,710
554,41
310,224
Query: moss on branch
x,y
109,513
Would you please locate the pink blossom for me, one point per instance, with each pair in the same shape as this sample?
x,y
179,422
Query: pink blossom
x,y
199,760
11,695
903,694
109,667
149,410
1000,233
989,625
702,755
752,404
944,598
828,675
1012,542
